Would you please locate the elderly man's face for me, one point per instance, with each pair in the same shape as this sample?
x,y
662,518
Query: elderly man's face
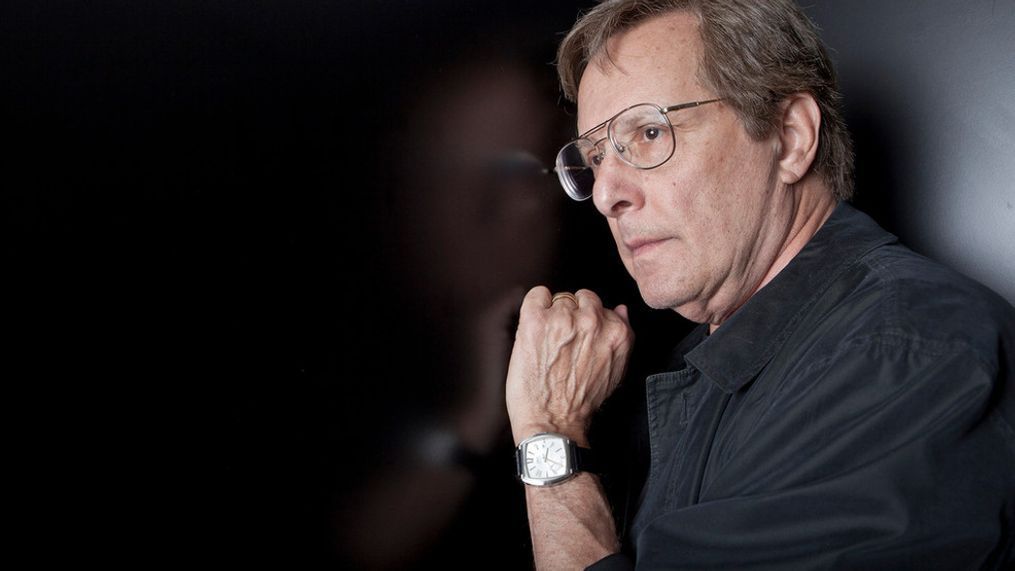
x,y
688,231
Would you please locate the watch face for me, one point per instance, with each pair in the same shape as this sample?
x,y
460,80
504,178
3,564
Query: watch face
x,y
546,458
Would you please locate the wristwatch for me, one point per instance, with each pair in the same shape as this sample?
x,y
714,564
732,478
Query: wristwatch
x,y
547,459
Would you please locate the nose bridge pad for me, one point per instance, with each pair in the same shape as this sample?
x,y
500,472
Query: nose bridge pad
x,y
612,141
608,142
621,150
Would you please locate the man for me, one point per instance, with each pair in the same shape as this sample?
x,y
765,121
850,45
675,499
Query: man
x,y
845,402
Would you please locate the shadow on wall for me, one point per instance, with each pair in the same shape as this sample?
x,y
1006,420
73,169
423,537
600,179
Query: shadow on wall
x,y
469,230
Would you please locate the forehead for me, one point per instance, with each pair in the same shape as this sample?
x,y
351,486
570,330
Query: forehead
x,y
653,62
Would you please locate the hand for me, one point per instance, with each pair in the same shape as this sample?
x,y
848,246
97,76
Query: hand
x,y
566,361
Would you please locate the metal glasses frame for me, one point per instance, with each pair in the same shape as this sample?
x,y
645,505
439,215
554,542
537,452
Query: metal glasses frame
x,y
616,147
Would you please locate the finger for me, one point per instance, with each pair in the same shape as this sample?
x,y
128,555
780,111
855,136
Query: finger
x,y
621,310
537,299
587,299
564,300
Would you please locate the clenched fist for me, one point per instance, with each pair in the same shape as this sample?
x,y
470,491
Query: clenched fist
x,y
568,357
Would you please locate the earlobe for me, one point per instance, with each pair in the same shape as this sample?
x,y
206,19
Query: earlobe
x,y
798,137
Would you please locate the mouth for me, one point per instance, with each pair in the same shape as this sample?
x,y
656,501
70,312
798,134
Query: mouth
x,y
642,246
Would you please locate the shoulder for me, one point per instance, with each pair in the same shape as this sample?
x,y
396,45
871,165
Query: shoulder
x,y
897,295
897,350
854,283
907,323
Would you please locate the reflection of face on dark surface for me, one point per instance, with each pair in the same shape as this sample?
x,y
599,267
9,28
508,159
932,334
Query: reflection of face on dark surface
x,y
474,220
481,221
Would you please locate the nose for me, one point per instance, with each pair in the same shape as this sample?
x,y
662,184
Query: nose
x,y
617,189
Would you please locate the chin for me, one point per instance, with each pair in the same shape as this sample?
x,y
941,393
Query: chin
x,y
658,298
661,282
673,299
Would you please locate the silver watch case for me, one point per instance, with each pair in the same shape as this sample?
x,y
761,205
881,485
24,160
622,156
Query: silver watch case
x,y
569,470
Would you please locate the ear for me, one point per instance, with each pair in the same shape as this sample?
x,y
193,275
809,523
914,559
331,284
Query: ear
x,y
798,136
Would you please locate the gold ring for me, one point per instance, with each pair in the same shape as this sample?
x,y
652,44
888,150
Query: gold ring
x,y
564,295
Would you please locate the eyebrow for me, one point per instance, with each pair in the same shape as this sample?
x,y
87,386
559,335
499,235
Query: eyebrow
x,y
667,109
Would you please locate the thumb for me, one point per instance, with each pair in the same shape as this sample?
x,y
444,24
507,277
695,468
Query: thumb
x,y
622,312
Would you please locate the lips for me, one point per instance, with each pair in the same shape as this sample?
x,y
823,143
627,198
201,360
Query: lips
x,y
642,245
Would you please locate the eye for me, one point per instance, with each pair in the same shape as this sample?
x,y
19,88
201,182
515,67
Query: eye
x,y
651,132
596,155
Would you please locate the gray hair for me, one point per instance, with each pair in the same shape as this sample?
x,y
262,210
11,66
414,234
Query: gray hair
x,y
756,54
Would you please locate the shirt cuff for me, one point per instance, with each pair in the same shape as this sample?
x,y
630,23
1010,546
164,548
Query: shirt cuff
x,y
615,562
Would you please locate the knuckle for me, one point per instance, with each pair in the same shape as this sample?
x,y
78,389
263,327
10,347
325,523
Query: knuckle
x,y
560,325
620,336
588,296
588,321
535,294
533,300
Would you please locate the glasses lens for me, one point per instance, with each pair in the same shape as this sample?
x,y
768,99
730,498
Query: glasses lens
x,y
643,136
575,168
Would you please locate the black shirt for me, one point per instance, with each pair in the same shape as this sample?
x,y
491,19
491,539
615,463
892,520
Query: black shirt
x,y
856,412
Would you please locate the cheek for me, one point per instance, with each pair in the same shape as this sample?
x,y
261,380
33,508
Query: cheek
x,y
738,181
699,193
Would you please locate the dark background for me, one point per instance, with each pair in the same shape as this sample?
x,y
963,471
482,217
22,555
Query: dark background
x,y
226,323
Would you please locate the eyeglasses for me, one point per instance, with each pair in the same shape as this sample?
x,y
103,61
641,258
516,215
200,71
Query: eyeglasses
x,y
641,135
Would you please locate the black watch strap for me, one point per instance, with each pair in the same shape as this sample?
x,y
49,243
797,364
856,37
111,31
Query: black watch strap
x,y
586,460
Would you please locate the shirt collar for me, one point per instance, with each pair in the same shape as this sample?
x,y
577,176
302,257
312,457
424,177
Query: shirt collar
x,y
737,351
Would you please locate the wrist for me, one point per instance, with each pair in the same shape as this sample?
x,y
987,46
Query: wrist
x,y
575,431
